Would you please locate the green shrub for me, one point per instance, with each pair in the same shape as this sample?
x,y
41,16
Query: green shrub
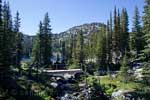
x,y
74,66
25,65
44,95
23,82
109,88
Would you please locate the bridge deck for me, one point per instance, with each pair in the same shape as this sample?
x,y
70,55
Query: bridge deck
x,y
62,71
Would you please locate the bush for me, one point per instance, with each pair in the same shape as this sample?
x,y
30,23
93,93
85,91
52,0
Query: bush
x,y
25,65
109,88
22,81
43,94
74,66
146,73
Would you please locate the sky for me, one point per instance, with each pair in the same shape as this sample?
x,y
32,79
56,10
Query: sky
x,y
65,14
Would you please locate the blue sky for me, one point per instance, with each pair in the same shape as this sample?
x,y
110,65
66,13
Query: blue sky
x,y
65,14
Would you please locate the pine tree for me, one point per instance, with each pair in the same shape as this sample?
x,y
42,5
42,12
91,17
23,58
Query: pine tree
x,y
104,56
118,31
6,36
70,50
93,45
47,53
137,35
124,69
42,48
12,35
74,56
101,48
124,31
64,53
108,45
36,51
110,39
146,28
1,40
79,49
116,37
18,38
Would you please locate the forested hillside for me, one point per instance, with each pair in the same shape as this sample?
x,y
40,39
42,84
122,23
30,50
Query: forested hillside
x,y
93,61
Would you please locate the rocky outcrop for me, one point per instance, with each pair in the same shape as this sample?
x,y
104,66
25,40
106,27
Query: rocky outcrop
x,y
87,29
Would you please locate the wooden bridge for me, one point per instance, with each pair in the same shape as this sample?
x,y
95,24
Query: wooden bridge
x,y
62,73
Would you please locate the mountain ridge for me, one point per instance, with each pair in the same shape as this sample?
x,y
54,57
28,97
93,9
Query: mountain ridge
x,y
87,29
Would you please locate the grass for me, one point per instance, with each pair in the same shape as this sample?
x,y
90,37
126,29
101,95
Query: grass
x,y
138,88
105,80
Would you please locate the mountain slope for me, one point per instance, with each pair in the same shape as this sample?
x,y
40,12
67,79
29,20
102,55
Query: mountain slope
x,y
87,29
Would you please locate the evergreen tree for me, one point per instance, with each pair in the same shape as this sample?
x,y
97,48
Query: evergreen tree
x,y
137,37
146,28
36,51
47,53
1,40
101,48
108,45
6,36
110,40
124,69
87,49
72,47
18,38
42,49
64,53
79,49
93,45
124,31
116,38
118,31
74,56
12,35
70,50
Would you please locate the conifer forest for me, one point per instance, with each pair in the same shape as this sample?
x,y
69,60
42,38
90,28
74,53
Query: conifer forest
x,y
92,61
